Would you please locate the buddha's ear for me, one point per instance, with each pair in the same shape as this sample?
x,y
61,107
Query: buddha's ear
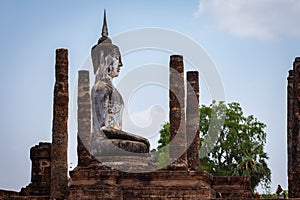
x,y
102,62
98,60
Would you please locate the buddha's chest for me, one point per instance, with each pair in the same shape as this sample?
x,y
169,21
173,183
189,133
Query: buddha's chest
x,y
115,104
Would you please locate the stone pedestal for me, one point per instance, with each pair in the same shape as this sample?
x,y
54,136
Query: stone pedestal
x,y
130,164
98,182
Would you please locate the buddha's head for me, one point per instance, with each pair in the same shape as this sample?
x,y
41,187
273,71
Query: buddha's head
x,y
106,56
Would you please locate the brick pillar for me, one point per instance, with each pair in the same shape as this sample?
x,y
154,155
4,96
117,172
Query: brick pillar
x,y
293,128
178,156
290,126
83,118
59,150
192,120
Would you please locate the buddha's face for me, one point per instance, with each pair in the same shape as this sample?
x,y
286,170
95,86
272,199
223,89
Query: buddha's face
x,y
116,66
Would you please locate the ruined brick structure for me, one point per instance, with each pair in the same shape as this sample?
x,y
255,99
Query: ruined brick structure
x,y
94,179
293,130
232,187
40,156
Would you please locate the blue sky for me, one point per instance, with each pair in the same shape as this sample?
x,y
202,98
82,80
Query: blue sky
x,y
252,44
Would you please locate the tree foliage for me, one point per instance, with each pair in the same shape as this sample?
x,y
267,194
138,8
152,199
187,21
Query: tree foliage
x,y
163,147
231,144
164,136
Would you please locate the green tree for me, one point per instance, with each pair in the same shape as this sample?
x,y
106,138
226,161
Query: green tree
x,y
164,136
231,144
163,147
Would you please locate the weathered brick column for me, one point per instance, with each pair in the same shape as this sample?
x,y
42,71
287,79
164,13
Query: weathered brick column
x,y
290,126
83,118
293,128
192,120
177,149
59,149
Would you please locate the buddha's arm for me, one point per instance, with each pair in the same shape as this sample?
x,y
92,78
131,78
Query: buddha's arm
x,y
100,101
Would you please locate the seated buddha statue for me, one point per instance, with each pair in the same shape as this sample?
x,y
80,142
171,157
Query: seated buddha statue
x,y
107,104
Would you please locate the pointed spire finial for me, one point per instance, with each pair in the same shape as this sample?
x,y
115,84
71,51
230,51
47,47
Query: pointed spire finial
x,y
104,27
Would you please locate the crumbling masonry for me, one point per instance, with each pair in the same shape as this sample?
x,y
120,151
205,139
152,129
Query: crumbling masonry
x,y
293,130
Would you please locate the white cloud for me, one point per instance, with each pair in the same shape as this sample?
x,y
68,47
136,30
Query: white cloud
x,y
261,19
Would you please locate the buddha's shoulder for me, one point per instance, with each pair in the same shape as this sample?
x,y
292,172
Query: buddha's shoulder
x,y
103,86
